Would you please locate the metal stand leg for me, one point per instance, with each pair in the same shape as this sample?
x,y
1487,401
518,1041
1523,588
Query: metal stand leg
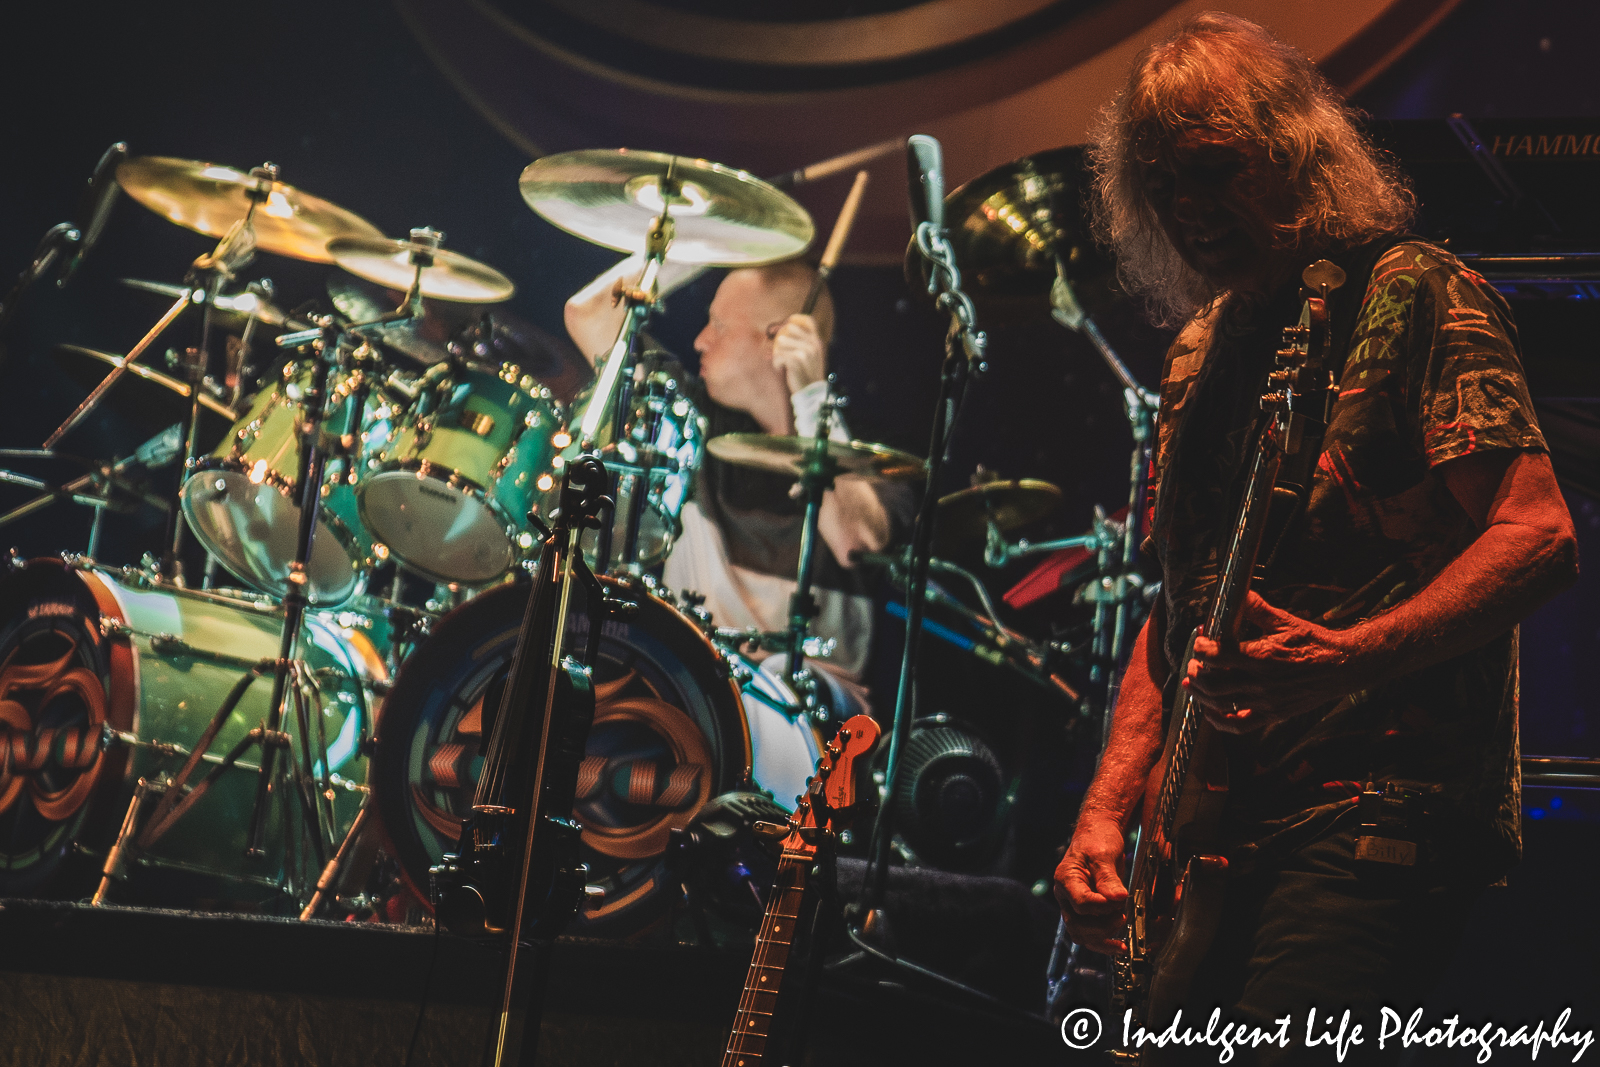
x,y
326,885
113,869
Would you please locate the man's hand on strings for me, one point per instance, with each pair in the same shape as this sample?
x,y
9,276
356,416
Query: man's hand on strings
x,y
1292,668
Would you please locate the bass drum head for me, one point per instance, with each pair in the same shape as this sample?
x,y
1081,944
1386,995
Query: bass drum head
x,y
56,698
669,734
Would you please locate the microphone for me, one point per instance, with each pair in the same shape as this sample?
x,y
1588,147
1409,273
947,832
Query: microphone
x,y
925,173
96,206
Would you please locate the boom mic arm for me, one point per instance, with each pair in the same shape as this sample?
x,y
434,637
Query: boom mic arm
x,y
97,203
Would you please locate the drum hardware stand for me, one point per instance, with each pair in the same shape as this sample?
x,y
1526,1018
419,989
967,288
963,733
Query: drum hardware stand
x,y
154,454
614,389
1118,592
312,470
327,884
235,249
817,472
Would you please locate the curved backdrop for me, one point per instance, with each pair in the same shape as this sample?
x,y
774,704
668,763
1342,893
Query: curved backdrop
x,y
773,87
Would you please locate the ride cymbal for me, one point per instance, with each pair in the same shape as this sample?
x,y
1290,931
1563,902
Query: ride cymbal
x,y
787,455
451,276
964,516
723,217
209,199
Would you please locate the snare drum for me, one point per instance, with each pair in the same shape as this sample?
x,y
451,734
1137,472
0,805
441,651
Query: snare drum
x,y
672,729
108,679
448,494
242,503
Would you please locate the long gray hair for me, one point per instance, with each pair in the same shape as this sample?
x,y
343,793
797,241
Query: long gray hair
x,y
1227,74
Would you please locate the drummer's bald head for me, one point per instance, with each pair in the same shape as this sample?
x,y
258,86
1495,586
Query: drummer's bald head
x,y
788,284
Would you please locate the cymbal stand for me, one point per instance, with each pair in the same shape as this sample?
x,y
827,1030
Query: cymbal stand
x,y
312,470
817,472
613,388
1118,592
235,249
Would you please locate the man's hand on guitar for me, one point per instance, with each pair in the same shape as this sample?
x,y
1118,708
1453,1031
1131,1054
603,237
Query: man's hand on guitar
x,y
1089,884
1294,667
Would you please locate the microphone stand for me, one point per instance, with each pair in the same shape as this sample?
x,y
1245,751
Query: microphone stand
x,y
965,348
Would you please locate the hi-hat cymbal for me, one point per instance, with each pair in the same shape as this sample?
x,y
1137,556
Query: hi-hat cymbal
x,y
1011,226
152,400
786,455
723,217
246,305
451,276
209,199
964,516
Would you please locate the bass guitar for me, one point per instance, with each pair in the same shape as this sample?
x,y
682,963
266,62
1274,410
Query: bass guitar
x,y
820,813
1176,886
517,875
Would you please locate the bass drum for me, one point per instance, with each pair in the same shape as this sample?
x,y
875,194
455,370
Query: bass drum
x,y
106,680
672,729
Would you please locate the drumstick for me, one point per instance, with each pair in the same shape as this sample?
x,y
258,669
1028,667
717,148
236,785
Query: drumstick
x,y
828,167
836,240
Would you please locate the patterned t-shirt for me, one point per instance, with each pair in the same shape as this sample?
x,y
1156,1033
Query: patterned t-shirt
x,y
1432,374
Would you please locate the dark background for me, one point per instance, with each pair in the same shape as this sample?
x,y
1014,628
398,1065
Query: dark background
x,y
345,101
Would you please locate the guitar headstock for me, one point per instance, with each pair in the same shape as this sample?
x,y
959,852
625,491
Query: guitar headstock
x,y
831,792
836,769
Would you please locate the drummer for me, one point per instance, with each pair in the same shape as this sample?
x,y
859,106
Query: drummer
x,y
762,366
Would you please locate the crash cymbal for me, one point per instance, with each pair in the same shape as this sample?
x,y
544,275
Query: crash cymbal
x,y
149,398
724,217
1009,228
209,199
786,455
452,276
964,516
240,306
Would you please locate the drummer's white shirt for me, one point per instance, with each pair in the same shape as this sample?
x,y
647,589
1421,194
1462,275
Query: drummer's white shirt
x,y
740,597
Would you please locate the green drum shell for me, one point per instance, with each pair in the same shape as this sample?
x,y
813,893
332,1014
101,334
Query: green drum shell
x,y
449,493
661,420
174,692
252,475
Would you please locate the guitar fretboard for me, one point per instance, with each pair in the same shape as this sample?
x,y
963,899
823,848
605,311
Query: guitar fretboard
x,y
747,1040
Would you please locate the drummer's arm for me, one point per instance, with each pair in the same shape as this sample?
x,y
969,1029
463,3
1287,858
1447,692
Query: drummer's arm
x,y
853,518
594,314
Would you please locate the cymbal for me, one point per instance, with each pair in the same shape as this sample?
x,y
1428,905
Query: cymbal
x,y
723,217
1010,226
151,399
422,339
452,276
246,305
555,362
786,455
964,516
209,199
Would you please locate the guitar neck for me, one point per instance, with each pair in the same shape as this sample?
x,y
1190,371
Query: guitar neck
x,y
747,1040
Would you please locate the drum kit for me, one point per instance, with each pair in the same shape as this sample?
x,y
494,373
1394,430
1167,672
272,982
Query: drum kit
x,y
417,433
416,427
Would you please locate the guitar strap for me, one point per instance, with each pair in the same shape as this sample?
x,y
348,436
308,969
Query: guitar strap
x,y
1294,476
